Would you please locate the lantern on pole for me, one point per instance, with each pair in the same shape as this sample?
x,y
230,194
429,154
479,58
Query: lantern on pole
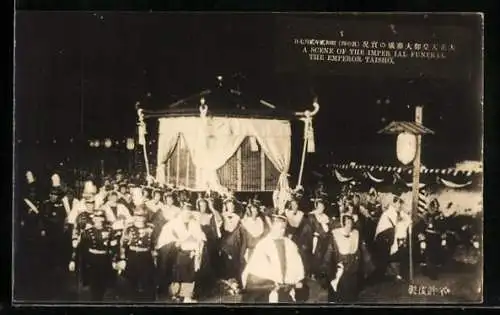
x,y
409,145
406,147
108,143
130,144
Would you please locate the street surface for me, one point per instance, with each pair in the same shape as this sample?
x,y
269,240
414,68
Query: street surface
x,y
458,283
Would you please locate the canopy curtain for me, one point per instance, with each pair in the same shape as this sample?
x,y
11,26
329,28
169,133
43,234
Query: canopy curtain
x,y
167,140
274,138
212,141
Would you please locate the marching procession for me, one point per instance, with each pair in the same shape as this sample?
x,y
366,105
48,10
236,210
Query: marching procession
x,y
172,244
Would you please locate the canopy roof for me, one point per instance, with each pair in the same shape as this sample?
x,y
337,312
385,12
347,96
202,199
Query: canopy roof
x,y
222,101
396,127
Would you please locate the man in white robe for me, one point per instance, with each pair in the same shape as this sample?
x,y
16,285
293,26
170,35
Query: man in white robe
x,y
181,242
391,238
116,213
275,270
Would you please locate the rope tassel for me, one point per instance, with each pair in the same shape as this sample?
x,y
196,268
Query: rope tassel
x,y
311,146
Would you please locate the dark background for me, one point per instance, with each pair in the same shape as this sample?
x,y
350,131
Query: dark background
x,y
491,113
79,74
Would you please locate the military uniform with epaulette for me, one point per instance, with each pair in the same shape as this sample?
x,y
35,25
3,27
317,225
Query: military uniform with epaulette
x,y
52,231
432,249
96,242
82,222
137,256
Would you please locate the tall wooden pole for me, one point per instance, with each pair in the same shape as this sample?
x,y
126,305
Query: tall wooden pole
x,y
416,188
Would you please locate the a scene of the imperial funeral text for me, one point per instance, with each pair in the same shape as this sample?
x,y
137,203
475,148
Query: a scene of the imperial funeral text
x,y
247,158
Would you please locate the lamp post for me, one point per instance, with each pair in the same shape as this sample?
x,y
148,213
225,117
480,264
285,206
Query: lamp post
x,y
409,148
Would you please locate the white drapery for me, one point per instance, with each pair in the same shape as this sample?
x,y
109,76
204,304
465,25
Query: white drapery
x,y
213,140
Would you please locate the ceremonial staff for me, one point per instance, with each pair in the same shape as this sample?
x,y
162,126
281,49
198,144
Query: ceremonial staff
x,y
142,137
308,145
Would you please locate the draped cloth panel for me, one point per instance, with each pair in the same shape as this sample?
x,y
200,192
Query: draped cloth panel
x,y
213,140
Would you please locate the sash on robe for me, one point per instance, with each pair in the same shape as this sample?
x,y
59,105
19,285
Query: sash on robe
x,y
177,232
265,263
388,220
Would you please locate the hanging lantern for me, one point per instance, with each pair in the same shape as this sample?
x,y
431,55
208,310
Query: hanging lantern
x,y
108,143
97,143
56,180
406,147
30,177
130,144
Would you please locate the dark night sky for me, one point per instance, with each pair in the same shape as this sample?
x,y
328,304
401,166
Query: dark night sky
x,y
120,57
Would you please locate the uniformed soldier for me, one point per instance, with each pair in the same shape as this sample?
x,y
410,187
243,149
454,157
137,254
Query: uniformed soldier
x,y
431,245
82,222
137,256
375,210
30,208
97,242
53,220
28,230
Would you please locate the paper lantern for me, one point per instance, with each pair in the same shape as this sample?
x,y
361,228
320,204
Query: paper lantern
x,y
130,144
56,180
97,143
108,143
406,147
30,177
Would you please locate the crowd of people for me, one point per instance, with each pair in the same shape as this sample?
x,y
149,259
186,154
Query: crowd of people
x,y
181,244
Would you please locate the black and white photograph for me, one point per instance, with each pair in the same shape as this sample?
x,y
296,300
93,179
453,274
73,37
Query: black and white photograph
x,y
247,158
